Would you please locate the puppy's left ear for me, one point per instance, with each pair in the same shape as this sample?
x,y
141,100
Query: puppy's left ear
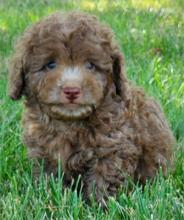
x,y
119,76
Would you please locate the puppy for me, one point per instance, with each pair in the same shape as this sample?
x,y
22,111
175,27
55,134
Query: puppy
x,y
80,107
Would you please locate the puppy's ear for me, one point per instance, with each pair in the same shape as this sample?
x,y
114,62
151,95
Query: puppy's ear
x,y
16,76
119,76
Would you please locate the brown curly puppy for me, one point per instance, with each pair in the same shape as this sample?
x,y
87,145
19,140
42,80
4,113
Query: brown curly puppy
x,y
80,107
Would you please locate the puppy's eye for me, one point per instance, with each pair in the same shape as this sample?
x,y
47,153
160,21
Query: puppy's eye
x,y
89,66
51,65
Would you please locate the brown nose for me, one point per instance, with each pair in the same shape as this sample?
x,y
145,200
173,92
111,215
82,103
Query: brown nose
x,y
71,92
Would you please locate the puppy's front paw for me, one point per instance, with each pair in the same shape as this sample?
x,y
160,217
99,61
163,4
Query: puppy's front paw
x,y
80,160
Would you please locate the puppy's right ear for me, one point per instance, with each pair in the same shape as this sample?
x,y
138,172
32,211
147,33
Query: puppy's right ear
x,y
16,76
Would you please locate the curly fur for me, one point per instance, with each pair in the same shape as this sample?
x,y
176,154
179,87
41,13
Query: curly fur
x,y
113,131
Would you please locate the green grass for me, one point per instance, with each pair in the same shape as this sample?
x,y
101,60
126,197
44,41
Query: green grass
x,y
141,28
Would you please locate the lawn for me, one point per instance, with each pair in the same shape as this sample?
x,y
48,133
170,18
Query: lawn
x,y
151,35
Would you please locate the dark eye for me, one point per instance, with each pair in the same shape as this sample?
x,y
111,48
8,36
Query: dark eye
x,y
90,66
51,65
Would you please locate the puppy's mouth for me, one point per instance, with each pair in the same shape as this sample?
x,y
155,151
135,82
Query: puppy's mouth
x,y
71,111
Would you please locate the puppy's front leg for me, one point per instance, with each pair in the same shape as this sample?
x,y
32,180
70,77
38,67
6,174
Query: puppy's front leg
x,y
102,180
109,172
46,165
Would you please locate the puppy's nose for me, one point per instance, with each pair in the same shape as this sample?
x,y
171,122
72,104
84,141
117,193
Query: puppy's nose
x,y
71,92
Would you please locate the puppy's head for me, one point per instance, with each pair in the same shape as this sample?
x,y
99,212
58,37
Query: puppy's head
x,y
67,64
